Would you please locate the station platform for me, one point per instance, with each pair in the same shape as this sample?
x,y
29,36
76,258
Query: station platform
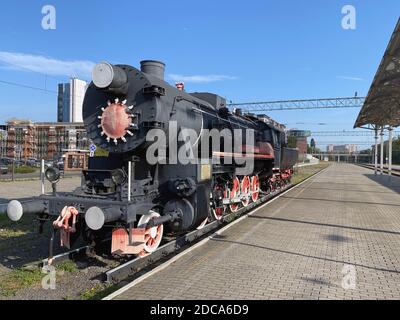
x,y
337,236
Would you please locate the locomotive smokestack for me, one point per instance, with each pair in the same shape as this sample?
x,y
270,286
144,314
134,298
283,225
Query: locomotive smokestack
x,y
153,68
106,75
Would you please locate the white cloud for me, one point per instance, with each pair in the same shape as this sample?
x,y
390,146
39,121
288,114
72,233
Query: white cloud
x,y
79,68
350,78
46,65
200,78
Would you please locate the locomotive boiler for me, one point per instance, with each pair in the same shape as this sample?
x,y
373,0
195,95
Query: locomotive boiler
x,y
129,112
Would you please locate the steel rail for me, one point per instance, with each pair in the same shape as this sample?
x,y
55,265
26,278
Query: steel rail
x,y
395,172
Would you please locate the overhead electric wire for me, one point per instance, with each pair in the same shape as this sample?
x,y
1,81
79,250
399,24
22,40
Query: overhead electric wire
x,y
27,86
21,85
58,78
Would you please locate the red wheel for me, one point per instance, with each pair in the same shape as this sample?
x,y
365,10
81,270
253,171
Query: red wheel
x,y
234,193
202,225
272,185
255,188
153,235
218,212
245,194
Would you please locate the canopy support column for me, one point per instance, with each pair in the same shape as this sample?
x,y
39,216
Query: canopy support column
x,y
376,150
382,148
390,151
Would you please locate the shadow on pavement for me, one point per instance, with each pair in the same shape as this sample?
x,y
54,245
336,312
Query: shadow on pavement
x,y
307,256
326,225
393,183
349,190
342,201
318,281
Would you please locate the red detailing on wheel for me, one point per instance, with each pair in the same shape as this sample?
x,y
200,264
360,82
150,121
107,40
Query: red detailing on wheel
x,y
144,240
286,176
272,184
120,241
255,188
152,235
202,225
234,193
245,191
218,212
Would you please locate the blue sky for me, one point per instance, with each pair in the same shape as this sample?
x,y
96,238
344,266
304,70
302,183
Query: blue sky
x,y
243,50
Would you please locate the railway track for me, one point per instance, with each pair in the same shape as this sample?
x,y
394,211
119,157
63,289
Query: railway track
x,y
395,172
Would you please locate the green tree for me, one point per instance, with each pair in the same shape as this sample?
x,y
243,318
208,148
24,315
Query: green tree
x,y
101,152
291,142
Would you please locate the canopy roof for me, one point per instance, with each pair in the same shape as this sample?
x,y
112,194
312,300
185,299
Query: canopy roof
x,y
382,105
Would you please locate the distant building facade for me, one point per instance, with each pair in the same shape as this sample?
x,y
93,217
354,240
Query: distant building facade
x,y
3,141
43,140
353,148
301,144
70,100
345,148
301,141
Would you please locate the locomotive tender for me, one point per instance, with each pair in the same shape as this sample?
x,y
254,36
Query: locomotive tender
x,y
138,201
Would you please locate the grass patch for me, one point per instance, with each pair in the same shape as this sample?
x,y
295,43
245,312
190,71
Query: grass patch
x,y
10,229
19,234
24,169
303,173
25,277
67,266
98,292
3,218
90,294
18,279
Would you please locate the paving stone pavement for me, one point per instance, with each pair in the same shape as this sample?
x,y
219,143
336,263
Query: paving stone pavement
x,y
26,189
337,236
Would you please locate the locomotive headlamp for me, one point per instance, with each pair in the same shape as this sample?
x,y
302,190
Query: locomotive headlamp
x,y
52,174
118,176
106,75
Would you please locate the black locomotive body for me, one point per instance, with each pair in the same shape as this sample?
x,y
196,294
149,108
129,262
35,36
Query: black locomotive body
x,y
224,161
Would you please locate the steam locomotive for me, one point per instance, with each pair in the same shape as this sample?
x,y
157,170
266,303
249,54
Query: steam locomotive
x,y
127,112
